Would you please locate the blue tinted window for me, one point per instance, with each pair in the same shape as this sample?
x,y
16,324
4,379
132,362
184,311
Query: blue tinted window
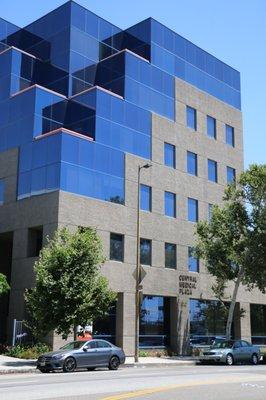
x,y
170,255
192,163
170,204
145,251
1,191
210,206
212,171
169,155
231,174
145,197
191,118
154,322
230,135
193,262
192,210
211,127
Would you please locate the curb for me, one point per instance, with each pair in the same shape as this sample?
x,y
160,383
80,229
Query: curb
x,y
172,364
123,366
18,371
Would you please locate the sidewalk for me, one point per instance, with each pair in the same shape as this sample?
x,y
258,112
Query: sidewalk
x,y
11,365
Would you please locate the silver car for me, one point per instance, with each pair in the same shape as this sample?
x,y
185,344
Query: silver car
x,y
92,354
230,352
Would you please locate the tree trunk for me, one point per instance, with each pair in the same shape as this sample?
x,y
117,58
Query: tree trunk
x,y
233,303
75,332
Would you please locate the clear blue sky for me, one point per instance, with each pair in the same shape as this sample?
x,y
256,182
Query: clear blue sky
x,y
232,30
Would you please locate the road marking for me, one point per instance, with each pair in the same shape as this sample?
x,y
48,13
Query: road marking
x,y
138,393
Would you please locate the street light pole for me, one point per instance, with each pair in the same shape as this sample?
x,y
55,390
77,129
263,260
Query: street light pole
x,y
137,299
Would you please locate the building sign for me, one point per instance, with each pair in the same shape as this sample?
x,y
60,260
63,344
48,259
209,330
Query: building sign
x,y
187,284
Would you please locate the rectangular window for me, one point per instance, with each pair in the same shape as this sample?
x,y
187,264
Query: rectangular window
x,y
145,251
193,262
145,197
191,118
212,171
192,163
116,247
230,135
170,255
231,174
192,210
1,192
35,241
169,155
211,127
170,204
210,212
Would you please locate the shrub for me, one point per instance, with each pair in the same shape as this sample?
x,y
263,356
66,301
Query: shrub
x,y
4,348
27,351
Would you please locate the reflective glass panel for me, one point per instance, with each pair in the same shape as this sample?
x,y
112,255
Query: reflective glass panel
x,y
192,210
231,174
154,327
145,251
170,255
192,163
145,197
169,155
191,118
258,323
211,127
212,171
1,191
170,204
230,135
116,247
193,262
207,318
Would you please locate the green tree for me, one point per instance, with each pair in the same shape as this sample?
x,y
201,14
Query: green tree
x,y
4,286
233,243
69,289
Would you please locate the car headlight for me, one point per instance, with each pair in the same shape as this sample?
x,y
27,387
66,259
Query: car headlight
x,y
58,356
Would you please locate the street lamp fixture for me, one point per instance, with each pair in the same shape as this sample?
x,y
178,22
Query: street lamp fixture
x,y
138,272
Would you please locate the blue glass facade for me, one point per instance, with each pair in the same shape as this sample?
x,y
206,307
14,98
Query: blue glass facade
x,y
77,93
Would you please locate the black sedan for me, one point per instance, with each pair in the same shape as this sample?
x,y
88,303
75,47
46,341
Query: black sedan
x,y
77,354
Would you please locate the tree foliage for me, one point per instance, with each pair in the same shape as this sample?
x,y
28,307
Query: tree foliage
x,y
4,286
69,289
233,243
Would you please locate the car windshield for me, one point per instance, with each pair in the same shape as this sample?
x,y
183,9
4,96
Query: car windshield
x,y
72,346
223,345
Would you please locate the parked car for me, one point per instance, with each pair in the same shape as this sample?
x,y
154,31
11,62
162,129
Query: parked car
x,y
230,352
78,354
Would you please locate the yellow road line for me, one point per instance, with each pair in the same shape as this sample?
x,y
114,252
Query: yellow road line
x,y
138,393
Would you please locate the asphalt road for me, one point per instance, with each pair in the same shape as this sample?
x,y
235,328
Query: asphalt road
x,y
243,382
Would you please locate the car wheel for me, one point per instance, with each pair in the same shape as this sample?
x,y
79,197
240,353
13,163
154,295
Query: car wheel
x,y
69,365
254,359
114,363
229,359
91,368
